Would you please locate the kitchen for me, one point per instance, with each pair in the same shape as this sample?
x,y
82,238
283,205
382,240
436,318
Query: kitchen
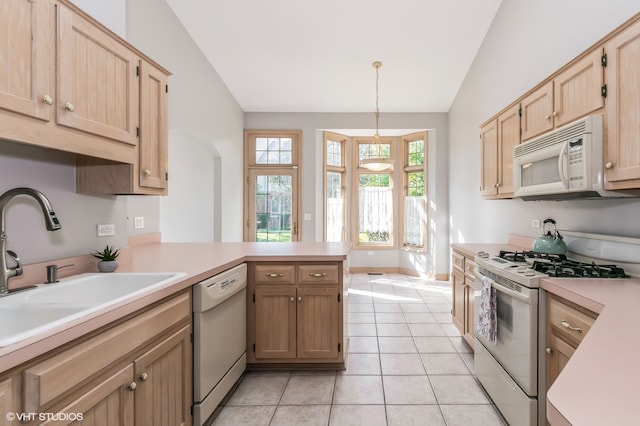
x,y
487,89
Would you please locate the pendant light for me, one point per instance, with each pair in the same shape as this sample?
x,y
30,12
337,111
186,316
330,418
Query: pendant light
x,y
377,162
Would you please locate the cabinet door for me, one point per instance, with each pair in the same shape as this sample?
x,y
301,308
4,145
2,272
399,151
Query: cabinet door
x,y
26,42
153,127
9,399
457,282
97,83
558,354
489,158
622,153
275,322
108,403
508,139
163,376
577,91
469,329
318,310
537,112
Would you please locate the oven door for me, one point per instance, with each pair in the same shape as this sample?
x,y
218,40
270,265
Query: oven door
x,y
516,348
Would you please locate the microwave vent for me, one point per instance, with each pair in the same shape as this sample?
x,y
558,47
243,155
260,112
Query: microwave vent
x,y
568,132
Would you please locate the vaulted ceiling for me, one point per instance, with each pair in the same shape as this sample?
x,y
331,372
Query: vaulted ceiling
x,y
316,56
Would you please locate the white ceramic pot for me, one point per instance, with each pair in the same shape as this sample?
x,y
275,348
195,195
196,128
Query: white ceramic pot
x,y
107,265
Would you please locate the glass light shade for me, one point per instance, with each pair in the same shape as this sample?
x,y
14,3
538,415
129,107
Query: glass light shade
x,y
377,164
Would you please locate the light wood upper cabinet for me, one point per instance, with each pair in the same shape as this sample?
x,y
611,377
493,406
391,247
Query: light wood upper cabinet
x,y
97,81
573,93
622,152
27,46
154,128
499,137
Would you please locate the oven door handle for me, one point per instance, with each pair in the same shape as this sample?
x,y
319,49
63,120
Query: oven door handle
x,y
505,290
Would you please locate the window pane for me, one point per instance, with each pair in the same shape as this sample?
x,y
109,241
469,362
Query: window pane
x,y
375,209
415,184
273,208
334,153
274,151
374,150
335,207
415,153
415,219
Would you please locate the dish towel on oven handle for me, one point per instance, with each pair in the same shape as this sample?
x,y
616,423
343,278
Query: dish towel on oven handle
x,y
488,315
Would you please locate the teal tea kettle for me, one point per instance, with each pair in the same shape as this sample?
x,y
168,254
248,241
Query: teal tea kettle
x,y
549,243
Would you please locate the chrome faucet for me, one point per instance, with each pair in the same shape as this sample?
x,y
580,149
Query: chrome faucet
x,y
50,220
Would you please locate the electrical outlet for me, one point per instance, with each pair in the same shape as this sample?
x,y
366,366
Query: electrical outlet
x,y
535,223
138,222
106,230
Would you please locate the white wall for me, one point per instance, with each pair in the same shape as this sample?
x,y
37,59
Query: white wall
x,y
527,42
312,124
204,120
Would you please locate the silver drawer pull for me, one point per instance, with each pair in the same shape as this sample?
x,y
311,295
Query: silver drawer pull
x,y
565,324
317,274
274,275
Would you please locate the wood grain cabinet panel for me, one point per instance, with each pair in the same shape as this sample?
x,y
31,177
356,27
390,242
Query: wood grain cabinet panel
x,y
537,111
622,152
27,45
489,159
97,84
10,401
462,282
295,313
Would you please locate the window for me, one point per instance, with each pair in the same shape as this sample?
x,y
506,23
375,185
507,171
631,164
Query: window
x,y
335,189
415,190
386,209
375,208
271,196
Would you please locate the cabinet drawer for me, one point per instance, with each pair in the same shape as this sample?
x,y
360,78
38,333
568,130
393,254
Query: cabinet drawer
x,y
568,320
469,267
318,274
457,260
49,379
279,274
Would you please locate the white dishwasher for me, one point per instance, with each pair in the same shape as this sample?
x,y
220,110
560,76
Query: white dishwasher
x,y
219,338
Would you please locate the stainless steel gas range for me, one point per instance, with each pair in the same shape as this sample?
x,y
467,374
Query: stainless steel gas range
x,y
512,370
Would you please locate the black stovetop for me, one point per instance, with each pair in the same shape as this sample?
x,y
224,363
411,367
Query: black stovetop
x,y
555,265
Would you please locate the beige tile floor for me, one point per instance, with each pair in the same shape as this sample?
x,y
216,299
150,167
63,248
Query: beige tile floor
x,y
406,365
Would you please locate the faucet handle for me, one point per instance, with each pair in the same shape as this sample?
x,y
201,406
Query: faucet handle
x,y
14,272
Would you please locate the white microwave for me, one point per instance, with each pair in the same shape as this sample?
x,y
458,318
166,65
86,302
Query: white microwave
x,y
565,163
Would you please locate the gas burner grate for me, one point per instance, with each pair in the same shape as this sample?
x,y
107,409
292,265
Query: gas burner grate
x,y
573,269
522,256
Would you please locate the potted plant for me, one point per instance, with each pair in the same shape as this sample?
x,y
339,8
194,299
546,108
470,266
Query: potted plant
x,y
107,256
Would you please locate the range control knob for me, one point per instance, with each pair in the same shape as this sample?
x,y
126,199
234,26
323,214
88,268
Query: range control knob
x,y
529,273
522,269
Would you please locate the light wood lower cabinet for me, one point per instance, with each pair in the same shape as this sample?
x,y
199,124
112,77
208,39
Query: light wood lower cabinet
x,y
462,282
567,324
9,398
136,372
295,313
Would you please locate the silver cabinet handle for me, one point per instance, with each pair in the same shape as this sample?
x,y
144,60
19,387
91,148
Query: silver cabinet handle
x,y
292,299
299,298
147,172
549,350
608,165
547,117
273,275
143,377
69,106
132,386
565,324
47,100
317,274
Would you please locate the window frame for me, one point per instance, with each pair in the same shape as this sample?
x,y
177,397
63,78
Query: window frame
x,y
357,171
406,170
250,136
342,170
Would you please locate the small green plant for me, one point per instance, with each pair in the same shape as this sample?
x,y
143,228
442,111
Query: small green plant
x,y
107,254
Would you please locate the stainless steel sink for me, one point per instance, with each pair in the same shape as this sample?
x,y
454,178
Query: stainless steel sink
x,y
29,313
